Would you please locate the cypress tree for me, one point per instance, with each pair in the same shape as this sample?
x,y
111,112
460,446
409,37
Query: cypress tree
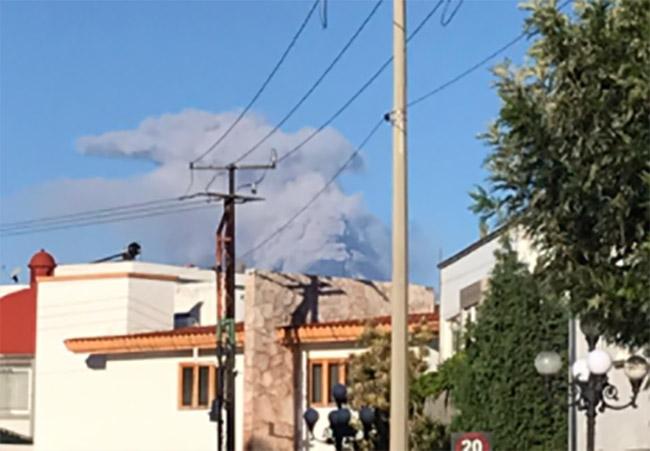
x,y
498,389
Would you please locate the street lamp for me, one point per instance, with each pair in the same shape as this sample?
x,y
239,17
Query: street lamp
x,y
339,419
590,389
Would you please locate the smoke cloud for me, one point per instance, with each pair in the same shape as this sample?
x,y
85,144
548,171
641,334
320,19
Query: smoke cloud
x,y
336,236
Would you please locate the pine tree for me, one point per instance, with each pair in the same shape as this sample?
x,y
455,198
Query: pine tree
x,y
498,389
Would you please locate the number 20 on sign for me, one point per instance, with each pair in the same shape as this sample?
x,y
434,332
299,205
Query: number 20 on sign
x,y
471,441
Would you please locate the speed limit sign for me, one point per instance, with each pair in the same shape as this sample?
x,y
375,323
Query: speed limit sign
x,y
470,441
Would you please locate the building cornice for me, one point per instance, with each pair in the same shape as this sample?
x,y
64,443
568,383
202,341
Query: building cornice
x,y
173,340
472,247
204,336
115,275
347,331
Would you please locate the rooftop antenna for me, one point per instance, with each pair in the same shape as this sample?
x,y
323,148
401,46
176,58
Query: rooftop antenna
x,y
129,254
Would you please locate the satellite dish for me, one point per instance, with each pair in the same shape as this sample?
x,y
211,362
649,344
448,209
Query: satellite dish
x,y
15,273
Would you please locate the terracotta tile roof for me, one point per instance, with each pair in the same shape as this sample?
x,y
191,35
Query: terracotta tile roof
x,y
348,330
167,340
204,336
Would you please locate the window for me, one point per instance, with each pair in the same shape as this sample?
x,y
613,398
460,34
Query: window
x,y
323,376
196,386
15,390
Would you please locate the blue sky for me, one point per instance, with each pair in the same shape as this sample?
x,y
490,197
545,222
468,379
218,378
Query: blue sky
x,y
77,69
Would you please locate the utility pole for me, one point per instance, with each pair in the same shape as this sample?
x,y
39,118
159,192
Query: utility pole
x,y
226,256
399,392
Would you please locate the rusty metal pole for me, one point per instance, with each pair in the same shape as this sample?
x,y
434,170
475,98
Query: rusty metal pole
x,y
230,308
227,245
219,335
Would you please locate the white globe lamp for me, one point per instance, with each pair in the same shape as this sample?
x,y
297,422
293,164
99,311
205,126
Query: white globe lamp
x,y
580,370
599,362
636,368
548,363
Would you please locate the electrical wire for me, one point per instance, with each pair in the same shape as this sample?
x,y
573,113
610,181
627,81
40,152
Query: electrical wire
x,y
466,72
323,14
476,66
360,91
445,85
214,177
444,20
275,233
350,100
313,199
106,219
315,85
99,217
81,214
261,89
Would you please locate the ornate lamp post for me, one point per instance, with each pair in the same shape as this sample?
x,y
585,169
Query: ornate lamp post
x,y
339,420
589,388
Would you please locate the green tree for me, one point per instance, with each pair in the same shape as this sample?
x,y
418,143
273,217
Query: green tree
x,y
369,385
497,388
570,158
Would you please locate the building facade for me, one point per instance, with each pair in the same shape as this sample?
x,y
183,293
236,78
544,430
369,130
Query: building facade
x,y
17,349
465,277
125,354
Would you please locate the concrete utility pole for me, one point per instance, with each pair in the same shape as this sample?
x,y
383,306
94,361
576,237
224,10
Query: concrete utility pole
x,y
399,392
227,227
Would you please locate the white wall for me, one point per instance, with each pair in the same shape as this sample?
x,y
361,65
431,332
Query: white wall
x,y
8,289
150,305
132,403
202,288
471,268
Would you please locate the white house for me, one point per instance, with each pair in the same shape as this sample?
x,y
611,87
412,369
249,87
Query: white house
x,y
463,278
125,354
17,346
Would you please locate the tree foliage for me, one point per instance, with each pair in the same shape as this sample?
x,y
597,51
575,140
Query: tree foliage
x,y
369,384
570,158
497,388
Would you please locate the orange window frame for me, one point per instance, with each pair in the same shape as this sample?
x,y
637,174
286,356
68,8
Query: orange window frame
x,y
212,379
326,396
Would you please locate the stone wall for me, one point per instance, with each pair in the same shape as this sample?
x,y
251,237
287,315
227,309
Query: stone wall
x,y
272,370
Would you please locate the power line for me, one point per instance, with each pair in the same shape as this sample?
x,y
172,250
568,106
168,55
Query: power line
x,y
347,104
468,71
304,208
361,89
81,214
445,85
137,214
354,96
478,65
444,20
311,90
261,89
317,194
